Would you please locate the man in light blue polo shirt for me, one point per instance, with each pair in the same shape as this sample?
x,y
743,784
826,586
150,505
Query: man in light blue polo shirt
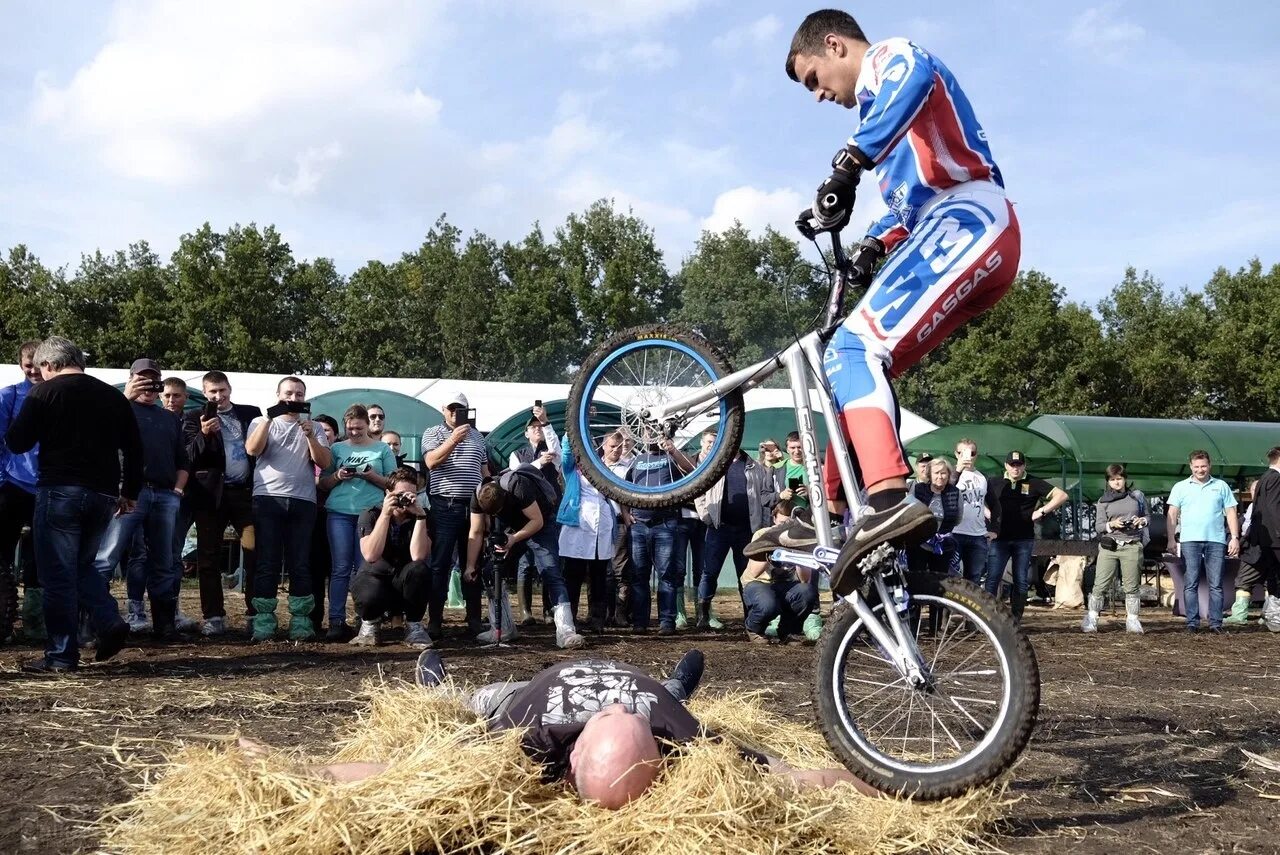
x,y
1200,503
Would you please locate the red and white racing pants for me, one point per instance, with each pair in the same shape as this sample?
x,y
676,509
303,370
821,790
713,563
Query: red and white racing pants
x,y
958,262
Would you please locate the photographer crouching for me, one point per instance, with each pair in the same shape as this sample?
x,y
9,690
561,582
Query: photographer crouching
x,y
395,542
524,504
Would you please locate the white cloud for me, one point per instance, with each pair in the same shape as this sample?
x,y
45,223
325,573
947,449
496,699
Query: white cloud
x,y
310,165
595,17
179,92
755,209
1103,33
760,32
643,56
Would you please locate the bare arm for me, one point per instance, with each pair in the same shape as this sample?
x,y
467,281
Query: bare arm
x,y
256,442
1171,523
475,539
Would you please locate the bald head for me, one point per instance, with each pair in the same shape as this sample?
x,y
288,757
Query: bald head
x,y
615,758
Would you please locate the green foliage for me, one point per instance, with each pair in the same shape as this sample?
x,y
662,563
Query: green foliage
x,y
530,311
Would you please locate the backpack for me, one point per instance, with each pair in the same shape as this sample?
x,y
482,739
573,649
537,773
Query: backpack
x,y
550,500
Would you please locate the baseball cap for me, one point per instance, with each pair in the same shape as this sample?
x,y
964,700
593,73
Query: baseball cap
x,y
141,365
924,457
1016,458
458,400
533,420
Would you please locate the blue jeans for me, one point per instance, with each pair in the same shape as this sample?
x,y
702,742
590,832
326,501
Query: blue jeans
x,y
997,556
720,542
344,546
544,552
452,520
1209,555
68,525
973,555
653,550
153,517
792,601
283,533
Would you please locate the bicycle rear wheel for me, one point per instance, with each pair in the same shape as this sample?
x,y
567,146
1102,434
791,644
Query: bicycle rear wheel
x,y
618,383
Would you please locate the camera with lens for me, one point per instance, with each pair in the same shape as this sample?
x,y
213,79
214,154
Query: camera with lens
x,y
404,500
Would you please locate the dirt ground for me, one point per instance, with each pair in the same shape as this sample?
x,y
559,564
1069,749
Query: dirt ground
x,y
1138,747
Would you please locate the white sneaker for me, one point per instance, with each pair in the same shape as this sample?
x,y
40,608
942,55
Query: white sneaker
x,y
368,636
214,627
415,635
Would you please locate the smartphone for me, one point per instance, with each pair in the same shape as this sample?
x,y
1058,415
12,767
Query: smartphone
x,y
297,406
210,411
471,417
347,470
155,386
538,402
794,484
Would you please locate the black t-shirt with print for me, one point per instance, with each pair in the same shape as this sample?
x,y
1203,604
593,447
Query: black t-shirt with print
x,y
396,551
524,492
558,701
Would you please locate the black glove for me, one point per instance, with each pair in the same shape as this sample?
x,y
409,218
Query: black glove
x,y
863,261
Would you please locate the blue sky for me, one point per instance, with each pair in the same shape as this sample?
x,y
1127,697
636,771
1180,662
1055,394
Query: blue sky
x,y
1129,133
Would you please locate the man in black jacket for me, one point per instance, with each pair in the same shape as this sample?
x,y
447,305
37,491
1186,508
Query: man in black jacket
x,y
1260,558
83,427
220,492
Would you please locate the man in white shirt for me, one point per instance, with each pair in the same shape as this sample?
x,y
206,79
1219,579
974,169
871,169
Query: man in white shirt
x,y
971,534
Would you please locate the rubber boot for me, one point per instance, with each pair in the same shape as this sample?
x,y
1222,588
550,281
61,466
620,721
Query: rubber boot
x,y
301,627
164,615
813,627
682,619
33,615
455,600
1239,615
1090,621
502,627
136,616
524,593
704,612
1271,613
712,620
264,619
1132,603
567,637
771,631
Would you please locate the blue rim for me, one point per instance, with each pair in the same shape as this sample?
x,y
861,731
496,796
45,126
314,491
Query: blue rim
x,y
584,417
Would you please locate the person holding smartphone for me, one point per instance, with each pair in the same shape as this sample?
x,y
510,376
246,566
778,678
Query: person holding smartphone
x,y
355,478
288,446
970,533
795,486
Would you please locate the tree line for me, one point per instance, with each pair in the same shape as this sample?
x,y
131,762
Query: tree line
x,y
470,307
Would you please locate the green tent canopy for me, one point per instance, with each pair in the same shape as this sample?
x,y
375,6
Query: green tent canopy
x,y
509,435
770,423
1154,451
407,416
1045,457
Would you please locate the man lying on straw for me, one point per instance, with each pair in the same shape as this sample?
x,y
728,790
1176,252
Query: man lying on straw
x,y
601,726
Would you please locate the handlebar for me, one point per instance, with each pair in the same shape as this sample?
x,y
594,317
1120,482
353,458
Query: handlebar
x,y
835,300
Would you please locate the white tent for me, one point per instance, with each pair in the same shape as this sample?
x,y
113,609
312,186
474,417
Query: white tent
x,y
494,402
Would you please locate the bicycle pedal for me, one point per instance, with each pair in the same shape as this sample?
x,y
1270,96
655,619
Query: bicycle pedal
x,y
883,552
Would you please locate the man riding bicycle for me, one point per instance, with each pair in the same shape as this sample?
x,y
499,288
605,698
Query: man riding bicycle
x,y
951,237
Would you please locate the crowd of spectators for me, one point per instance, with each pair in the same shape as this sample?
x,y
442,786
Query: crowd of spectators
x,y
333,510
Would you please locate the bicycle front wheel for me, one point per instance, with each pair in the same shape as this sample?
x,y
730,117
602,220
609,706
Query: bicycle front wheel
x,y
618,384
963,727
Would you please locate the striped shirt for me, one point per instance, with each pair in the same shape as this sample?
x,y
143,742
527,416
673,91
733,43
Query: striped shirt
x,y
459,475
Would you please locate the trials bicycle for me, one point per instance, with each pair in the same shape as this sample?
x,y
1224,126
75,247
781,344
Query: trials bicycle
x,y
924,685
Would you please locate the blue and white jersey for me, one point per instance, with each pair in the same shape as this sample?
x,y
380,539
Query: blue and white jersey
x,y
919,130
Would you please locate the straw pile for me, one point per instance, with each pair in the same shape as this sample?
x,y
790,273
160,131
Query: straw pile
x,y
452,787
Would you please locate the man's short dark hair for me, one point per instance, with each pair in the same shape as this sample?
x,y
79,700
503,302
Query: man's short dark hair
x,y
175,383
28,348
1199,454
490,496
215,377
292,379
794,436
1273,456
401,473
809,36
711,431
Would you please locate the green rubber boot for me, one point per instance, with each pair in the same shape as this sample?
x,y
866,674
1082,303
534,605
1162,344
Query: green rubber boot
x,y
264,618
455,600
1239,615
813,627
300,626
771,631
682,619
33,615
713,621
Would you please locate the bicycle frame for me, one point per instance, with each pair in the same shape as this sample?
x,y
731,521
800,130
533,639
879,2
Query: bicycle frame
x,y
802,361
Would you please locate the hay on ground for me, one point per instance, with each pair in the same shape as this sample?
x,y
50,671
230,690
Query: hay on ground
x,y
453,787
